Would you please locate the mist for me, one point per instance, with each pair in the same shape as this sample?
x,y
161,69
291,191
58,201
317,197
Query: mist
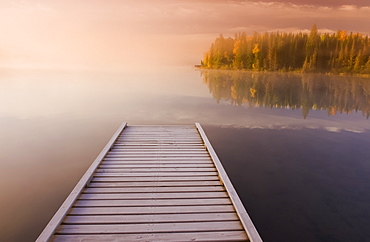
x,y
136,34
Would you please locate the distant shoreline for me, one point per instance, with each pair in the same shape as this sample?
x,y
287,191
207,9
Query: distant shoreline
x,y
280,71
339,53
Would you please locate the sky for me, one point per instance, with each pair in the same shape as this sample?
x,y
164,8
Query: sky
x,y
114,34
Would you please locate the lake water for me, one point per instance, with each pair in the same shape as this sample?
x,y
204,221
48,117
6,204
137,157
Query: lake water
x,y
296,147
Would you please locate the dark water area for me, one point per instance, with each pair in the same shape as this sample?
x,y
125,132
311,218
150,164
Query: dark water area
x,y
296,147
300,185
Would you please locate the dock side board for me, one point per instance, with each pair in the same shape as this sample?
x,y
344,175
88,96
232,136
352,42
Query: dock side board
x,y
241,211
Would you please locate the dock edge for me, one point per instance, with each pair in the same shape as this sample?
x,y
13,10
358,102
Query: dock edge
x,y
239,207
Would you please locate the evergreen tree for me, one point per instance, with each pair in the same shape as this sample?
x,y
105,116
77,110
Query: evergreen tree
x,y
313,52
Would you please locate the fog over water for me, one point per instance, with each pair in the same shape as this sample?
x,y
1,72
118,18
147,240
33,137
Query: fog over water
x,y
113,35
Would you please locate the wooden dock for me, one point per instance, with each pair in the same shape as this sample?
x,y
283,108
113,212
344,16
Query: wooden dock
x,y
153,183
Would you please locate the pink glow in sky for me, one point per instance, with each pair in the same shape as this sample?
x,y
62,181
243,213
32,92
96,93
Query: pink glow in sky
x,y
115,34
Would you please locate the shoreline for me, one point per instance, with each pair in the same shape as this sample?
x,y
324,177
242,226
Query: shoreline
x,y
294,72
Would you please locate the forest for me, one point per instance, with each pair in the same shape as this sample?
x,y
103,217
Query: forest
x,y
333,94
336,53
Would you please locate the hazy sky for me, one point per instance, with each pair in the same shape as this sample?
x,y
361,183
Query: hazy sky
x,y
119,33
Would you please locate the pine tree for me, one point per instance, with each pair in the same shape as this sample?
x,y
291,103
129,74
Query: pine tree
x,y
313,52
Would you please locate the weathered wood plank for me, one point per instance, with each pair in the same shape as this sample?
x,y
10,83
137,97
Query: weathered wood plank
x,y
176,237
156,169
156,128
155,174
151,202
156,152
158,146
142,130
151,179
163,146
156,184
160,137
189,133
159,155
162,126
165,150
150,228
153,189
158,162
186,135
149,218
153,170
158,143
174,159
158,132
169,135
167,195
151,210
165,165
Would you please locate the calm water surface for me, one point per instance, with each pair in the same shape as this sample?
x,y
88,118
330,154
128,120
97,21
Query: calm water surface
x,y
295,146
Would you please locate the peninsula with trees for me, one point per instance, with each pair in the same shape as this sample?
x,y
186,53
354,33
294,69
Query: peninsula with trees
x,y
336,53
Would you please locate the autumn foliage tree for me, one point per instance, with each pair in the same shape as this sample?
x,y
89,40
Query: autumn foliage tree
x,y
340,52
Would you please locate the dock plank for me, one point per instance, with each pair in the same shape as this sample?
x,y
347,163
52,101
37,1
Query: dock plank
x,y
158,159
155,174
159,155
151,202
176,237
167,195
150,228
151,210
156,184
157,152
154,189
151,179
155,169
157,162
158,165
162,150
149,218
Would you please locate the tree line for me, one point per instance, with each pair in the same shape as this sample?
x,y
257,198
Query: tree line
x,y
340,52
334,94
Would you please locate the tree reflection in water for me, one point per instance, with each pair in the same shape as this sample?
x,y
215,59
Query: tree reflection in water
x,y
335,94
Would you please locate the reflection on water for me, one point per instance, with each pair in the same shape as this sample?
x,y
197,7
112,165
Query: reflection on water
x,y
335,94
